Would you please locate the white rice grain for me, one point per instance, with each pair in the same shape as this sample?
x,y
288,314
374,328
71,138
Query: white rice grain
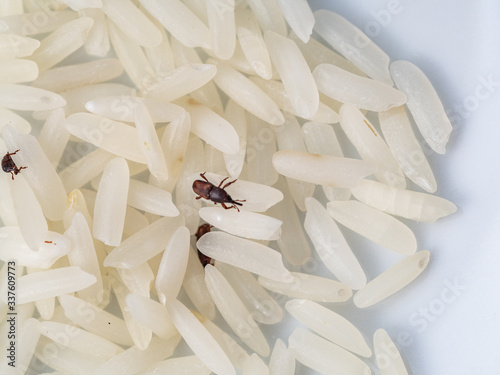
x,y
130,54
83,4
222,27
245,254
142,30
149,142
199,339
276,92
331,245
329,324
13,45
195,287
236,116
26,340
111,203
321,139
282,361
370,146
324,356
321,169
243,224
190,365
234,311
151,199
25,98
71,76
27,23
97,43
424,104
252,43
379,227
20,124
179,82
96,320
51,283
269,15
211,127
180,21
311,287
295,74
361,92
292,242
392,280
353,44
299,17
62,42
151,314
406,203
83,255
17,71
32,223
398,134
144,244
173,265
263,308
389,360
133,360
246,94
13,246
79,340
54,137
113,136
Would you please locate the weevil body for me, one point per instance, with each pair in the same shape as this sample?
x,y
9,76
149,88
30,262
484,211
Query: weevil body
x,y
217,194
202,229
8,165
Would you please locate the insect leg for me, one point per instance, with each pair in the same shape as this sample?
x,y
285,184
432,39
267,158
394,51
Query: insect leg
x,y
229,183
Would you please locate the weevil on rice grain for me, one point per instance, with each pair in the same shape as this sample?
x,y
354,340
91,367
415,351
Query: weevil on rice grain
x,y
217,194
9,166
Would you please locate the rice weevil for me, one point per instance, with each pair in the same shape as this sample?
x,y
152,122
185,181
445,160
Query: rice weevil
x,y
9,166
217,194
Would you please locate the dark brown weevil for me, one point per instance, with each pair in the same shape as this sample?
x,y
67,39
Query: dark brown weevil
x,y
217,194
9,166
202,229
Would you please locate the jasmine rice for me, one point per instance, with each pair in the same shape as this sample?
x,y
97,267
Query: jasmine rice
x,y
101,223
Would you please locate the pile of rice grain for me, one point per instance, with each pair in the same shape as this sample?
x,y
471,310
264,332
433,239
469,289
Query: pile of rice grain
x,y
101,223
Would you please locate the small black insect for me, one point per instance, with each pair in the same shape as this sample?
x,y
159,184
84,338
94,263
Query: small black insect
x,y
202,229
217,194
9,166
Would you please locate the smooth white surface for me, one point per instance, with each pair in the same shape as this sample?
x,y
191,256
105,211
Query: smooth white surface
x,y
456,44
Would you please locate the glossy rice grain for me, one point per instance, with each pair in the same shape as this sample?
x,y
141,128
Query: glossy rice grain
x,y
151,199
314,288
243,224
387,355
378,226
111,203
245,254
371,146
263,308
51,283
26,98
321,169
222,27
247,94
324,356
396,128
173,265
392,280
234,311
62,42
353,44
282,360
199,339
405,203
424,104
329,324
255,366
331,245
361,92
295,74
299,17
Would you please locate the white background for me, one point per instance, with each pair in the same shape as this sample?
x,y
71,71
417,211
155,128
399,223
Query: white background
x,y
457,44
